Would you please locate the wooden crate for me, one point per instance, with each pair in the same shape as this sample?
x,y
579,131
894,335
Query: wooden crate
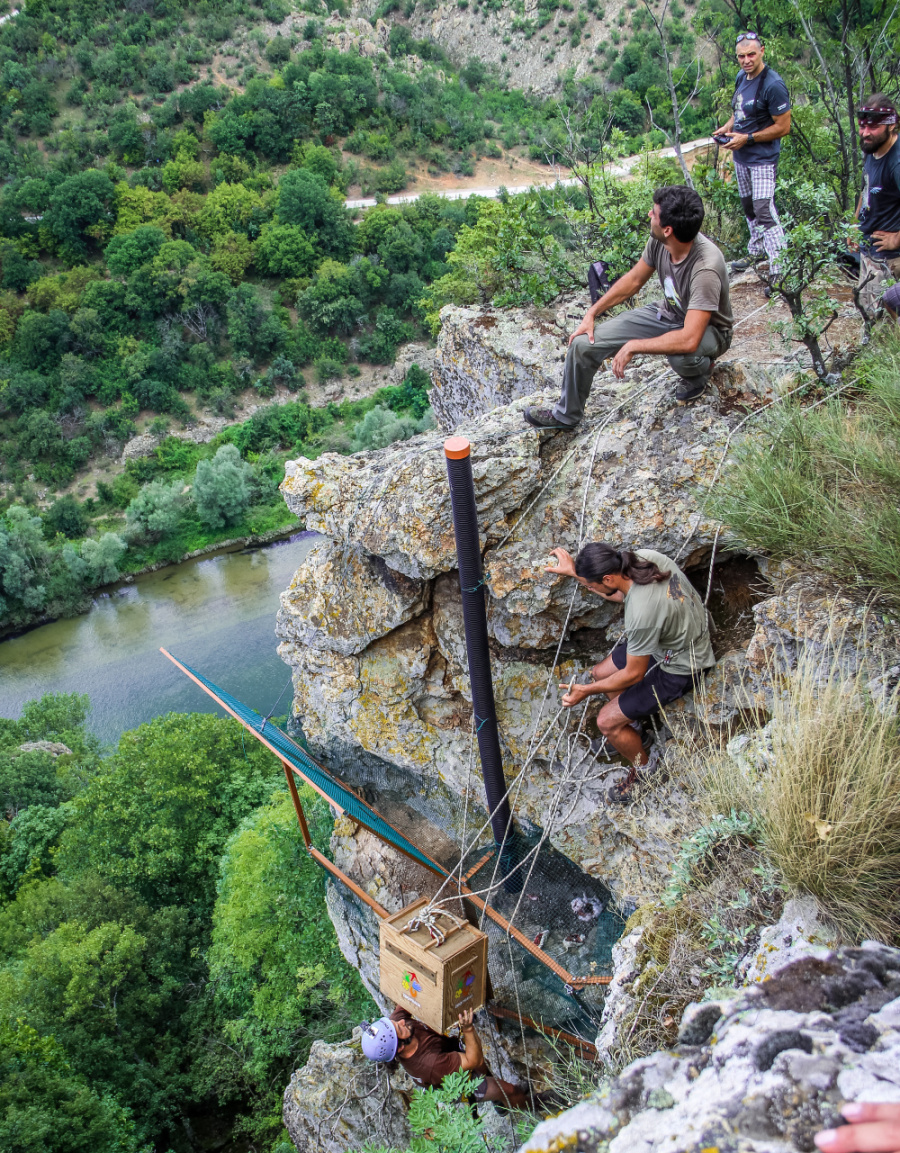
x,y
434,982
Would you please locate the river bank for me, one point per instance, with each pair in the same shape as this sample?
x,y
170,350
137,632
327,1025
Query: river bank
x,y
232,544
216,612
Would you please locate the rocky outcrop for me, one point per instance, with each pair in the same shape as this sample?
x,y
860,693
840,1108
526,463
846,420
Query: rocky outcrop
x,y
372,622
376,670
339,1101
757,1072
54,748
487,357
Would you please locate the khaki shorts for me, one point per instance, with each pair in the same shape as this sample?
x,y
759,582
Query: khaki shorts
x,y
875,276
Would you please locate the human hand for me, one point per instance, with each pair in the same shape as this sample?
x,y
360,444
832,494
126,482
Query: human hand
x,y
586,328
872,1129
465,1020
886,241
723,131
575,694
565,565
737,141
621,360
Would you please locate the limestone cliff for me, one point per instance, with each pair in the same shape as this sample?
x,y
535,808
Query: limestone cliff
x,y
760,1070
371,624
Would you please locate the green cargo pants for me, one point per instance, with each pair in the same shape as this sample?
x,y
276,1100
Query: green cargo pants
x,y
583,359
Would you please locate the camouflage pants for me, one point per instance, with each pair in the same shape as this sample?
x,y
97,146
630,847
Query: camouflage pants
x,y
876,275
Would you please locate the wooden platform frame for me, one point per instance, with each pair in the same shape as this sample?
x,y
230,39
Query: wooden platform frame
x,y
461,887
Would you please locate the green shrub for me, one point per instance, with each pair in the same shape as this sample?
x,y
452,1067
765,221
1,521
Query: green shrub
x,y
822,485
221,488
381,427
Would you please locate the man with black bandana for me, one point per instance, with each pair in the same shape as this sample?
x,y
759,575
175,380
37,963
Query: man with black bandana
x,y
761,116
878,210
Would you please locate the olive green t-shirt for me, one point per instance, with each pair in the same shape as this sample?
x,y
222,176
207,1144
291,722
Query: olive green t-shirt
x,y
667,620
699,281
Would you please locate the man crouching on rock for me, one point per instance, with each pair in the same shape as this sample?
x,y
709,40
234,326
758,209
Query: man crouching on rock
x,y
429,1056
692,326
665,650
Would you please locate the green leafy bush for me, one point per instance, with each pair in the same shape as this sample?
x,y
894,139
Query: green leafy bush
x,y
221,488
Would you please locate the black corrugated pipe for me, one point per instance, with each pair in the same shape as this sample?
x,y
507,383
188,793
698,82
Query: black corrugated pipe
x,y
471,582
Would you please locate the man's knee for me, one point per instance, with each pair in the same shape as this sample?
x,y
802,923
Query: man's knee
x,y
747,203
691,364
608,721
762,210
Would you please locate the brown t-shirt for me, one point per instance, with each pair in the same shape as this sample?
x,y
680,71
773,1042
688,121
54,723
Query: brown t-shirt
x,y
436,1057
699,281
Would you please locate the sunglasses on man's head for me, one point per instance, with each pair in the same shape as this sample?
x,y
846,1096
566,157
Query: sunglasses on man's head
x,y
747,36
873,116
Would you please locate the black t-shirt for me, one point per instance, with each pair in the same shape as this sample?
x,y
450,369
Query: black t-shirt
x,y
879,209
756,103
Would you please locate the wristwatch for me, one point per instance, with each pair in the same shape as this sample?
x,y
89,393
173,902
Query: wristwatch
x,y
750,139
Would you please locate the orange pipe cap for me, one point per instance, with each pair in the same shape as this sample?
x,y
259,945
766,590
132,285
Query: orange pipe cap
x,y
457,448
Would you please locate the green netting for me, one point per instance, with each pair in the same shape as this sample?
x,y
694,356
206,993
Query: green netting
x,y
303,762
456,835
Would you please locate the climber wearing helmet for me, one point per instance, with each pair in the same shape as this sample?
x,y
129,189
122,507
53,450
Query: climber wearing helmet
x,y
429,1056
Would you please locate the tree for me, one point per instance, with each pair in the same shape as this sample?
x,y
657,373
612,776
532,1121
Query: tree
x,y
381,427
124,254
67,516
222,487
155,511
232,254
102,557
23,554
331,303
80,213
285,250
279,977
156,817
305,199
45,1107
253,329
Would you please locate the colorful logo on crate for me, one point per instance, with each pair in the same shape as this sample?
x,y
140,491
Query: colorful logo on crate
x,y
465,983
411,984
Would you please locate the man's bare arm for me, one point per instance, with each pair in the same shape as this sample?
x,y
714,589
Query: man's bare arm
x,y
681,340
635,668
780,126
624,288
473,1057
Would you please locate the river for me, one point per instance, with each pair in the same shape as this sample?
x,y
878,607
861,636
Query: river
x,y
215,613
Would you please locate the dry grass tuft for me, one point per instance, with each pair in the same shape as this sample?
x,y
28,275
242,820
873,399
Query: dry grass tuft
x,y
828,803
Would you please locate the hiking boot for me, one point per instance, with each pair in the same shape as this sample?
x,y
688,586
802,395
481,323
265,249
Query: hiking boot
x,y
741,265
544,418
653,765
690,389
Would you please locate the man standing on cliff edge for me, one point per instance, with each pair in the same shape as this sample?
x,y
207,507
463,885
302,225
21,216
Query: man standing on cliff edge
x,y
761,116
691,327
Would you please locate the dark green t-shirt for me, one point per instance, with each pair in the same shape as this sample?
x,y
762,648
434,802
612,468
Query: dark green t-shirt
x,y
667,620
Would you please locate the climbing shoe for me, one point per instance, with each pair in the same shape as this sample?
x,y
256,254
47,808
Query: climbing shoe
x,y
690,390
544,418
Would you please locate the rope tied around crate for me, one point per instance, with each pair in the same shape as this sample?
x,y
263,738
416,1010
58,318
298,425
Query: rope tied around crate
x,y
427,919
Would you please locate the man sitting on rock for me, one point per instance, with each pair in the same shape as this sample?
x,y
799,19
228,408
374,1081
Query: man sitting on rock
x,y
429,1056
691,327
665,650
